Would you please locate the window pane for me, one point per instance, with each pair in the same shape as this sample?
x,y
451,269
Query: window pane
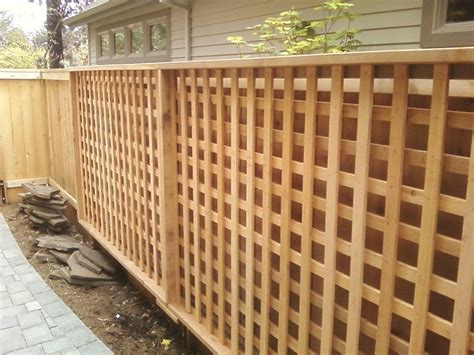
x,y
119,43
136,39
104,45
460,11
158,37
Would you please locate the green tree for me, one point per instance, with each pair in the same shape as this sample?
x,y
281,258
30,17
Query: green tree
x,y
290,33
16,49
64,46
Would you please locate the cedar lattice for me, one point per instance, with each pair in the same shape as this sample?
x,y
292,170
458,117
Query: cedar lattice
x,y
318,207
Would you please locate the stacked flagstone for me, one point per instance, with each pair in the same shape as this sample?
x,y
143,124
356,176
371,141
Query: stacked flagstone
x,y
44,206
83,265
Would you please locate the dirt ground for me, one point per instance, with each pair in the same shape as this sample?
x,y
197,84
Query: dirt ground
x,y
140,329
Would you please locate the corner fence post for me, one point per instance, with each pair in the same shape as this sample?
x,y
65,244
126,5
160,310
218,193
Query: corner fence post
x,y
168,188
74,92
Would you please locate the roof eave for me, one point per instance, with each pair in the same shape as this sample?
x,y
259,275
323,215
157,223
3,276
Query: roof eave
x,y
85,16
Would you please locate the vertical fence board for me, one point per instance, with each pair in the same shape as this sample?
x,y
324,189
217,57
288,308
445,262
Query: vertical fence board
x,y
286,199
332,192
250,198
220,117
266,204
185,188
307,219
359,210
464,290
208,197
196,233
429,217
109,165
122,173
235,187
392,202
116,170
78,121
167,184
131,200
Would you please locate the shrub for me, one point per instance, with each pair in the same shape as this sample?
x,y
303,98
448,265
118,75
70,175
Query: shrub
x,y
290,34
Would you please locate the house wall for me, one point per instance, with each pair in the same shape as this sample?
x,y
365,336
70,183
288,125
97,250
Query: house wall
x,y
384,24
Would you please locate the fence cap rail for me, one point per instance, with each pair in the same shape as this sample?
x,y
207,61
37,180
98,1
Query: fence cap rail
x,y
34,74
20,74
412,56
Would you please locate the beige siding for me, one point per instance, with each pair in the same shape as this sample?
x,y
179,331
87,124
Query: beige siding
x,y
177,34
384,24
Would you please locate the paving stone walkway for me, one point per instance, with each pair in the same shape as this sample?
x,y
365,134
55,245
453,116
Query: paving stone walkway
x,y
33,319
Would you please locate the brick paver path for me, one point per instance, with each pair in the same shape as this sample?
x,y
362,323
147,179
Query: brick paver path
x,y
33,319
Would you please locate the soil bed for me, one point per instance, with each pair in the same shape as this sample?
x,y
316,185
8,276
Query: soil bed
x,y
141,328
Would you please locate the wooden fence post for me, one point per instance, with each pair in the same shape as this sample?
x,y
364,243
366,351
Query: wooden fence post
x,y
167,161
77,144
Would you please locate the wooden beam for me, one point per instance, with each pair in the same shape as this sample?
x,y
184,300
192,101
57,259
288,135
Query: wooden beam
x,y
332,201
359,210
208,199
220,124
185,172
392,209
429,216
465,287
166,139
250,215
267,209
307,218
235,187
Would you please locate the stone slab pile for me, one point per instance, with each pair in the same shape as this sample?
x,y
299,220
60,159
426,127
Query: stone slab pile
x,y
81,265
44,206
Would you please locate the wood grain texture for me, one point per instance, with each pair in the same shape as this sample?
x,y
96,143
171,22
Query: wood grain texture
x,y
431,196
359,214
334,146
275,208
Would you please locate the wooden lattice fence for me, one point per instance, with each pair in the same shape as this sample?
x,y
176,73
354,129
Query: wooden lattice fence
x,y
295,205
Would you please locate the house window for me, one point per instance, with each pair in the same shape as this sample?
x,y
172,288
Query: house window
x,y
119,43
143,39
447,23
460,11
158,37
136,39
104,45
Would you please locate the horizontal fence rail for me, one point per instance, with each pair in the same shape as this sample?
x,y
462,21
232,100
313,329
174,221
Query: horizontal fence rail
x,y
289,209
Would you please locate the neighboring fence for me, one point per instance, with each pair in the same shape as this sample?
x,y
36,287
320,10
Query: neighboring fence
x,y
36,137
290,205
23,127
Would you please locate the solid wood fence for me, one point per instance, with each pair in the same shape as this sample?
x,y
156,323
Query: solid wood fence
x,y
36,130
23,130
290,205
